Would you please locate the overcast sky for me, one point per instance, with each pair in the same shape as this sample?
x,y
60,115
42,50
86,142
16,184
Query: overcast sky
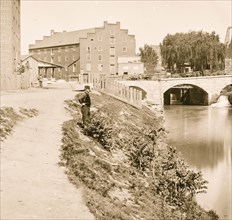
x,y
149,21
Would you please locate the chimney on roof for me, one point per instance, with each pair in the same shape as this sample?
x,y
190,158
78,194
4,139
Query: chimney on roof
x,y
52,32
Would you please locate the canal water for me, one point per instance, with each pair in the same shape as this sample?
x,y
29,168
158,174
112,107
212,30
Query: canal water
x,y
203,134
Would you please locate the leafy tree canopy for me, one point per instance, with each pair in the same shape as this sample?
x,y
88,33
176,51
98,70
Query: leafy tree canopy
x,y
200,50
149,58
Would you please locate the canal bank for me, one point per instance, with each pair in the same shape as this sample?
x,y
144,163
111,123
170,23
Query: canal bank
x,y
122,159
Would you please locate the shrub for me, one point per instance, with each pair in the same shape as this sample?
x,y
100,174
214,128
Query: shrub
x,y
100,128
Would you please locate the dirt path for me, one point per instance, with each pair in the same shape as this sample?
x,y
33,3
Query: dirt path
x,y
33,186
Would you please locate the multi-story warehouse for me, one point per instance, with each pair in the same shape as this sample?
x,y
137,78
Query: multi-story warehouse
x,y
85,54
10,44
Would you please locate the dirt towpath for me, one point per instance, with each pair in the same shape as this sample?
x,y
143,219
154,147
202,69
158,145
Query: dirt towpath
x,y
33,186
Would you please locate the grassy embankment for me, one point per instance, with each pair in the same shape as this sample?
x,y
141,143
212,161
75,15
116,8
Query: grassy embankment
x,y
126,168
9,118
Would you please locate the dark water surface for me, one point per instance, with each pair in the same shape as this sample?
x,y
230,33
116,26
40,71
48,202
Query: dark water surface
x,y
203,134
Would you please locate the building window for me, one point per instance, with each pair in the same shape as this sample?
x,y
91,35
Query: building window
x,y
126,67
112,50
88,57
59,58
66,49
100,67
59,69
45,51
124,49
88,66
112,60
112,40
99,48
51,59
59,49
74,67
99,38
91,39
51,51
112,69
88,48
100,57
112,31
74,48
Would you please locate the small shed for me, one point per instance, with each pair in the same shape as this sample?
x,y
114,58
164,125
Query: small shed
x,y
35,67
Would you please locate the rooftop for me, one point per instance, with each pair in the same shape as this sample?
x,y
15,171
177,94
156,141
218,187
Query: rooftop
x,y
62,38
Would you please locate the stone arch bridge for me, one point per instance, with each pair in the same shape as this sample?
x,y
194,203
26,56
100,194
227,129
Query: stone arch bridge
x,y
155,90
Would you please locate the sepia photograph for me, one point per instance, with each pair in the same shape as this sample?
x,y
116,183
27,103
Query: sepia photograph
x,y
116,110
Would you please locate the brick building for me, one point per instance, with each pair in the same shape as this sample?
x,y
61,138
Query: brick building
x,y
85,54
10,44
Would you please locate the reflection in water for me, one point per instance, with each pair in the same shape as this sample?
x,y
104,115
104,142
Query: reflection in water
x,y
203,135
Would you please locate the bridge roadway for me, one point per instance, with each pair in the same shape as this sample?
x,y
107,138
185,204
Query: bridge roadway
x,y
155,90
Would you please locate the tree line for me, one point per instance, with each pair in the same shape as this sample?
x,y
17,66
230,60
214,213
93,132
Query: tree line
x,y
200,50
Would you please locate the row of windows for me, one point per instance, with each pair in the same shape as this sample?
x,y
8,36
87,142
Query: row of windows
x,y
100,58
112,34
52,50
100,67
112,49
88,58
51,59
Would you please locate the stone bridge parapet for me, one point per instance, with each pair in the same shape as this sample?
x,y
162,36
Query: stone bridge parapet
x,y
155,90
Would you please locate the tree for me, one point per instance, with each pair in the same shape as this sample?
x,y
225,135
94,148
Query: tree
x,y
200,50
149,58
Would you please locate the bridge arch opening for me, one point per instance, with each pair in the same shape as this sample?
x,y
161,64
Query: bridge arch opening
x,y
185,94
227,91
144,93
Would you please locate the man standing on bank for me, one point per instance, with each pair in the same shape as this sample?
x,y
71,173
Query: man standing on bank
x,y
85,102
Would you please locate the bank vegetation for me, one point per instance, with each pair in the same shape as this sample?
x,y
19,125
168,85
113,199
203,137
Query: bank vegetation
x,y
9,117
125,166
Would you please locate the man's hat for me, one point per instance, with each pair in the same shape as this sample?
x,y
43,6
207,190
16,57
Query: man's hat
x,y
87,87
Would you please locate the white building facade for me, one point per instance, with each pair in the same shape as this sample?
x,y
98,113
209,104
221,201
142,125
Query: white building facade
x,y
130,65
